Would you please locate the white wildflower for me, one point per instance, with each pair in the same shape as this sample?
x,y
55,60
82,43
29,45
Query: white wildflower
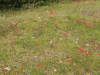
x,y
41,57
77,38
35,56
68,34
7,68
74,64
60,38
60,61
55,55
32,37
51,41
55,70
87,44
71,28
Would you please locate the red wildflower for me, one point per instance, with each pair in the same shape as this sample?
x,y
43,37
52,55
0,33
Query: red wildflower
x,y
67,27
7,46
93,42
17,36
76,51
77,20
84,22
74,1
98,54
53,22
16,31
64,35
71,20
83,53
6,28
46,71
23,20
92,26
12,43
38,64
86,52
81,50
51,12
57,14
21,70
35,43
89,24
56,26
45,24
68,60
59,22
69,55
51,18
59,66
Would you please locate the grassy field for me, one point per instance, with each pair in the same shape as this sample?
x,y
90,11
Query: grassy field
x,y
59,39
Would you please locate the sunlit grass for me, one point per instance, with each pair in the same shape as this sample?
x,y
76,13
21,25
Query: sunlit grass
x,y
37,42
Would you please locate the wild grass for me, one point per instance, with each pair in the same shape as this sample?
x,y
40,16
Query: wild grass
x,y
59,39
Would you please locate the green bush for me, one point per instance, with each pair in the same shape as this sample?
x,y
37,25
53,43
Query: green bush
x,y
18,3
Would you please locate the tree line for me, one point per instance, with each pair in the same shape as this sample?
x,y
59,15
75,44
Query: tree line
x,y
18,3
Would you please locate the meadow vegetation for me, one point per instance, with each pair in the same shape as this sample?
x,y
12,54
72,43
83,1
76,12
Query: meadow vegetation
x,y
57,39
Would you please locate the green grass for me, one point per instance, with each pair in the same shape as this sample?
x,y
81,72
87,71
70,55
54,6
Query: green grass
x,y
50,45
